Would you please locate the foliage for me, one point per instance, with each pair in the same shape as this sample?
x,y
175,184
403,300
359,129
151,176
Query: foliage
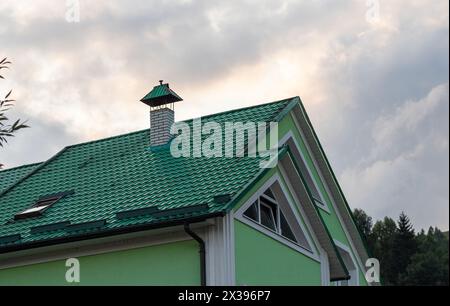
x,y
406,258
7,129
404,247
429,265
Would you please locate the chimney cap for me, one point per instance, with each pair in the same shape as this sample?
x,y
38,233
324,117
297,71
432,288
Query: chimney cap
x,y
160,95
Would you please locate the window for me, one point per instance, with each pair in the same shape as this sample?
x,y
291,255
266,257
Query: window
x,y
350,264
40,206
309,181
304,170
268,214
253,211
286,230
269,193
266,211
273,212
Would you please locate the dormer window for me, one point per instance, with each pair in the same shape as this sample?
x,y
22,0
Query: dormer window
x,y
268,214
266,211
306,171
272,212
40,206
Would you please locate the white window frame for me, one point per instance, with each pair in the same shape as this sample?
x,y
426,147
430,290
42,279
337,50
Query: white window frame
x,y
354,273
239,215
38,207
275,222
34,209
321,203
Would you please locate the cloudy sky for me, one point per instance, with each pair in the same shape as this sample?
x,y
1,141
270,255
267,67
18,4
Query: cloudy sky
x,y
373,75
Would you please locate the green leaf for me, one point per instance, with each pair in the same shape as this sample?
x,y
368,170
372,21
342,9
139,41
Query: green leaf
x,y
9,93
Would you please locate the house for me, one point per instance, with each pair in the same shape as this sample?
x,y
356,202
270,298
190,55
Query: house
x,y
129,212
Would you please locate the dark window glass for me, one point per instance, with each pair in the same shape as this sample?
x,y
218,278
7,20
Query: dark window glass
x,y
286,230
268,215
46,202
252,211
269,193
309,179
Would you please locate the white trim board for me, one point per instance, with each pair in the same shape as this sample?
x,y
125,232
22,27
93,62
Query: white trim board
x,y
346,249
220,258
290,136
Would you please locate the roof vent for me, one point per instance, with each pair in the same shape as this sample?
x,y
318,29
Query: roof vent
x,y
161,101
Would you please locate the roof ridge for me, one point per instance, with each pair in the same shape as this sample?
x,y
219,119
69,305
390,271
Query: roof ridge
x,y
106,138
42,164
187,120
21,166
241,109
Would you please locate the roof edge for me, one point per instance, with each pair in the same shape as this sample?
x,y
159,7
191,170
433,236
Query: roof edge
x,y
19,167
43,164
246,188
107,233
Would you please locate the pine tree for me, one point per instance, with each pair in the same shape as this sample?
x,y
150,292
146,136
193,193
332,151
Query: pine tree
x,y
429,266
404,247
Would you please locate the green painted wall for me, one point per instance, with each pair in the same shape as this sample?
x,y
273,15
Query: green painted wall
x,y
167,264
261,260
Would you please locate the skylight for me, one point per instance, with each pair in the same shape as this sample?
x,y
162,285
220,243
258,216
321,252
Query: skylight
x,y
40,206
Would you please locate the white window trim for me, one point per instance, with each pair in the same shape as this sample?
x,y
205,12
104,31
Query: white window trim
x,y
322,204
275,223
239,215
355,263
34,209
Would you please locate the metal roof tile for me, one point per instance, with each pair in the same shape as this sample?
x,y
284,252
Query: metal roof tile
x,y
123,175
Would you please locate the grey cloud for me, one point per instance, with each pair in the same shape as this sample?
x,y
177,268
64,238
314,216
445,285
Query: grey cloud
x,y
36,144
407,166
176,38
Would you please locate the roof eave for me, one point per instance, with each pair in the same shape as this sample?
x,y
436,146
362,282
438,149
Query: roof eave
x,y
108,233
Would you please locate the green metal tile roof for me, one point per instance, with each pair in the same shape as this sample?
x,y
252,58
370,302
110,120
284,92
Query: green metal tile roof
x,y
115,176
10,176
